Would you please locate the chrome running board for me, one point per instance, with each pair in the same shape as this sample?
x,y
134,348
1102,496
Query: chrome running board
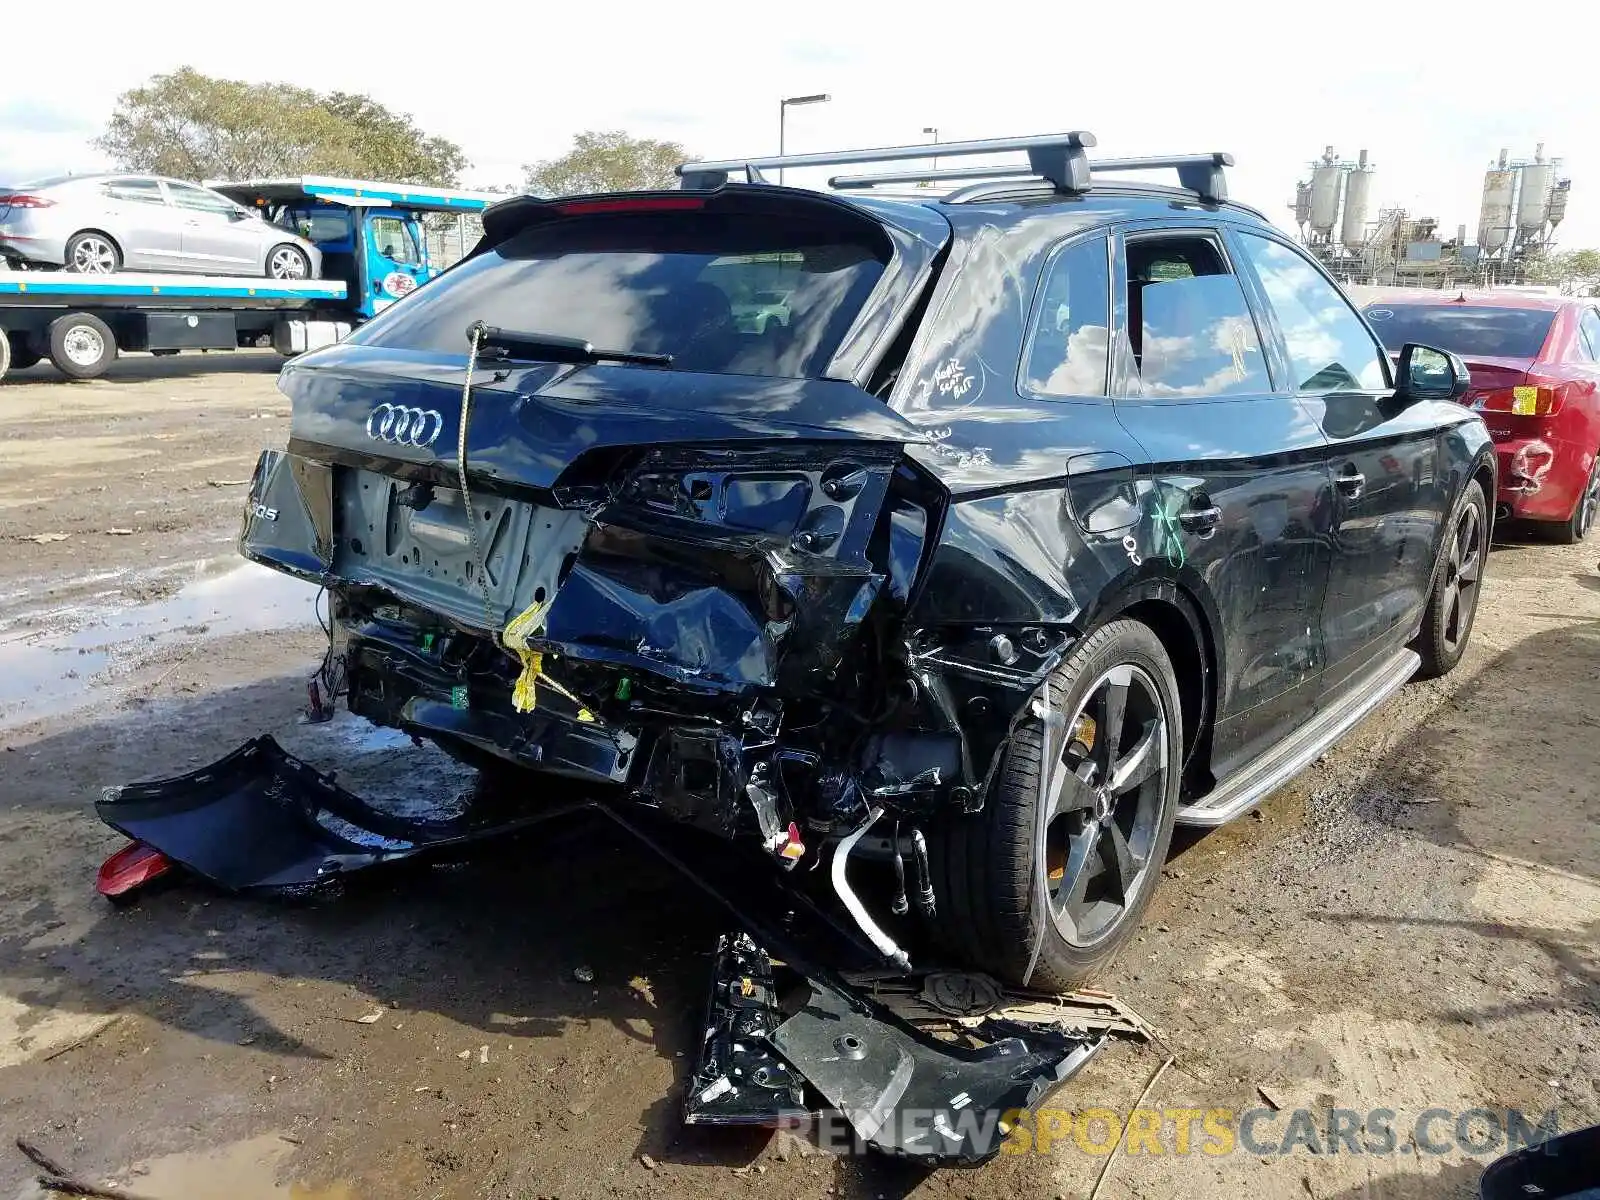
x,y
1248,787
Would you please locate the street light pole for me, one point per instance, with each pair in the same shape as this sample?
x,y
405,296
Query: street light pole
x,y
934,130
783,111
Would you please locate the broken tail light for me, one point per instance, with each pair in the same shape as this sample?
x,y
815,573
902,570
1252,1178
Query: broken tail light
x,y
1525,400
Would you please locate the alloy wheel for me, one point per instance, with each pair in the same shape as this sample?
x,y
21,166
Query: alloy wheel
x,y
1105,802
287,264
94,256
1589,502
1463,570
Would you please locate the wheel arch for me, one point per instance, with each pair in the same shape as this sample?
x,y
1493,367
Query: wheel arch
x,y
1178,619
97,231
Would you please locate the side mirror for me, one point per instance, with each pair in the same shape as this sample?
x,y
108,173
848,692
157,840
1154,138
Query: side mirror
x,y
1426,373
241,213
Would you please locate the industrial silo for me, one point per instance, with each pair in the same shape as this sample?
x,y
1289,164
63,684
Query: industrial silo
x,y
1533,205
1494,220
1357,189
1325,179
1558,202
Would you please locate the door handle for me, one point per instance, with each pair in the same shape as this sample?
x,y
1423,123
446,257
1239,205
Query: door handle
x,y
1203,521
1351,483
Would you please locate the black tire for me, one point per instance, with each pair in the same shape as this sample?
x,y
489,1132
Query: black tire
x,y
984,863
92,253
16,353
82,346
1573,530
287,262
1453,602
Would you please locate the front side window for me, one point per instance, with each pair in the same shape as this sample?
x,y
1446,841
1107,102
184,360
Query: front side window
x,y
1329,348
1066,353
1189,326
393,238
679,283
198,199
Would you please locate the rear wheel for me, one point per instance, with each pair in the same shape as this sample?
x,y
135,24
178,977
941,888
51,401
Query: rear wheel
x,y
288,262
1064,891
82,346
1447,621
1577,527
93,253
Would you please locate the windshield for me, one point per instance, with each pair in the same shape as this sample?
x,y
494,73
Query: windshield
x,y
655,284
1472,331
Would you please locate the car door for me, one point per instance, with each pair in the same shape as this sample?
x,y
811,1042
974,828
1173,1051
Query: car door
x,y
394,264
1390,496
146,227
1235,471
219,237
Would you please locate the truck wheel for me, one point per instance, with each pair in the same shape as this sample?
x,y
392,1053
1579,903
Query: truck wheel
x,y
288,262
93,253
82,346
5,353
1453,603
1111,778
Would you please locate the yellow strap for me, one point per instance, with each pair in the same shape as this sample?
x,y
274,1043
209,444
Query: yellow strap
x,y
524,695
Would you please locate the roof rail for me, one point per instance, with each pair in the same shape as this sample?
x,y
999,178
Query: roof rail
x,y
1058,157
1201,174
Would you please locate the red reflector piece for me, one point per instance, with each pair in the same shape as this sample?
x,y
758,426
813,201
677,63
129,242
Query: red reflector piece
x,y
131,868
573,208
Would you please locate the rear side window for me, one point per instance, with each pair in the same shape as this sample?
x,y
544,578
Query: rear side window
x,y
1189,326
1589,333
1066,353
1470,330
137,191
725,293
1329,349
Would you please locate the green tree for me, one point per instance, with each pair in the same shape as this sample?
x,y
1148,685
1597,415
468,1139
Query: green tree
x,y
194,126
1573,271
607,161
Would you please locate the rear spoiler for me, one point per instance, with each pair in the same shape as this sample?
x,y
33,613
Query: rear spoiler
x,y
512,216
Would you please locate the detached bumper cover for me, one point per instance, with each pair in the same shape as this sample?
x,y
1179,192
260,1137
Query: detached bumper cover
x,y
262,821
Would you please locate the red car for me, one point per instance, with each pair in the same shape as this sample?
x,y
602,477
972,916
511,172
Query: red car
x,y
1535,364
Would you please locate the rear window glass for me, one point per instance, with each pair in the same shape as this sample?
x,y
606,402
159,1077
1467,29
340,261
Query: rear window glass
x,y
732,294
1470,330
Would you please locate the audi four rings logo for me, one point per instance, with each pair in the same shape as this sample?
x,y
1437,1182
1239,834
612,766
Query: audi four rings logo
x,y
403,426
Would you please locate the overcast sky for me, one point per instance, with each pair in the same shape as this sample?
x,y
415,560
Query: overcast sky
x,y
1431,89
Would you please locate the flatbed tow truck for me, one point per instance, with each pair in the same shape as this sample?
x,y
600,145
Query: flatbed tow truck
x,y
373,250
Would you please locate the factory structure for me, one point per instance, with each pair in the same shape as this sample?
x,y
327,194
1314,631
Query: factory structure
x,y
1524,201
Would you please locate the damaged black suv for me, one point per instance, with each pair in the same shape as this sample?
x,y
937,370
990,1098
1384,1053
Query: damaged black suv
x,y
981,535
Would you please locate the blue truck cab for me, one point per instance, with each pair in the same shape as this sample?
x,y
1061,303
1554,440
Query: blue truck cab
x,y
371,234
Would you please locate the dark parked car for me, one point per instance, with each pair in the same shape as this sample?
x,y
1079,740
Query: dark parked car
x,y
1058,509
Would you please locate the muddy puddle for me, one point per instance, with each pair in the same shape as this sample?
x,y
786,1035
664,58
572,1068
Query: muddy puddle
x,y
247,1170
75,655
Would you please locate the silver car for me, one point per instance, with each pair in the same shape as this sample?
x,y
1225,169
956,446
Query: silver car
x,y
101,223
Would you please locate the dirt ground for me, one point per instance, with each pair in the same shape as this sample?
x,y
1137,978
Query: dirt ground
x,y
1413,925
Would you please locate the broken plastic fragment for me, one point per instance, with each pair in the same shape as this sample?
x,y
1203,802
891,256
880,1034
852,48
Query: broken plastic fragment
x,y
458,697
